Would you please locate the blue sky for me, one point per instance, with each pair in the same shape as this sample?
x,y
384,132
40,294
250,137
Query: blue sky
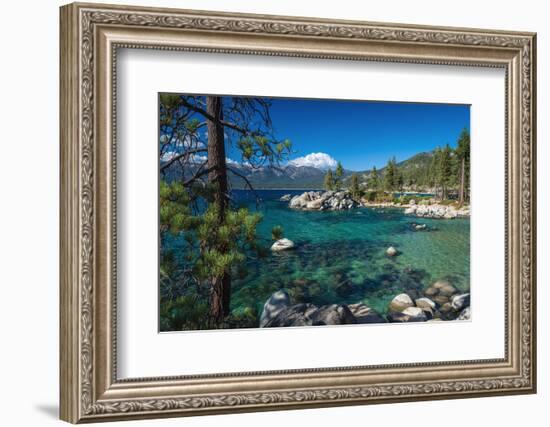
x,y
363,134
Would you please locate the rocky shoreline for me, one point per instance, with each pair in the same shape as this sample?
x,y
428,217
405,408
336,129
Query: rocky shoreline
x,y
343,200
437,211
439,302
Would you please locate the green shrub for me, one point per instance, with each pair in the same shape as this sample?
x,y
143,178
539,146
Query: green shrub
x,y
242,318
277,232
186,312
406,199
369,196
378,197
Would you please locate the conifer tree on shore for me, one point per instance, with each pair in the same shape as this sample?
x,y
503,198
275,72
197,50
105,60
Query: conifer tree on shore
x,y
329,181
218,236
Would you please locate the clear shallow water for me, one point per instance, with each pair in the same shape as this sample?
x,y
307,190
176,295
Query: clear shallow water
x,y
340,256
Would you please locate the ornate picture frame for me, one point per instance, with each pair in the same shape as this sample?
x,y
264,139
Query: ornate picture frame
x,y
90,37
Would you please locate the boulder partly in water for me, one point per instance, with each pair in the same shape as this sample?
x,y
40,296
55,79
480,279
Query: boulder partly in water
x,y
276,303
282,245
323,200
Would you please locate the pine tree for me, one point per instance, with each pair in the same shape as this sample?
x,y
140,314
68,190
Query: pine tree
x,y
434,173
390,175
445,171
354,186
374,180
338,176
463,154
277,232
329,180
400,181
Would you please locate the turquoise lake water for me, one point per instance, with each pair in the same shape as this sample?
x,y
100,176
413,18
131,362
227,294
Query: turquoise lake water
x,y
340,256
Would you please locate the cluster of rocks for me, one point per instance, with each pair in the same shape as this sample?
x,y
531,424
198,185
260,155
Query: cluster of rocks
x,y
441,301
437,211
278,312
322,200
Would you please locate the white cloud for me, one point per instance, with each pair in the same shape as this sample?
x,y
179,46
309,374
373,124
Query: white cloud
x,y
193,158
167,156
316,160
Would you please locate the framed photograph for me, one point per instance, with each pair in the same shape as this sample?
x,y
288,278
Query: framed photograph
x,y
265,212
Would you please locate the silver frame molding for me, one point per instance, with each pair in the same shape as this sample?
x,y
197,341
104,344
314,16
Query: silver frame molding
x,y
90,37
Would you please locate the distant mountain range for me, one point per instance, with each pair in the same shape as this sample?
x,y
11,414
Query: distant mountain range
x,y
303,177
290,176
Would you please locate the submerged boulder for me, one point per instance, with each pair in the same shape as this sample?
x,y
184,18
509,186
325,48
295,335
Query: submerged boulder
x,y
425,303
391,251
441,292
445,288
441,299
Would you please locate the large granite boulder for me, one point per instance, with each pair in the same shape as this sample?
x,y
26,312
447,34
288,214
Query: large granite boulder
x,y
311,315
364,314
275,304
334,314
427,305
314,204
295,315
400,303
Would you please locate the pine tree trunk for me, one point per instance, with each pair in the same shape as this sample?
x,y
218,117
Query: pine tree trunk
x,y
462,179
221,286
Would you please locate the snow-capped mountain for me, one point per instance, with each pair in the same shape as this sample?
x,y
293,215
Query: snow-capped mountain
x,y
305,172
